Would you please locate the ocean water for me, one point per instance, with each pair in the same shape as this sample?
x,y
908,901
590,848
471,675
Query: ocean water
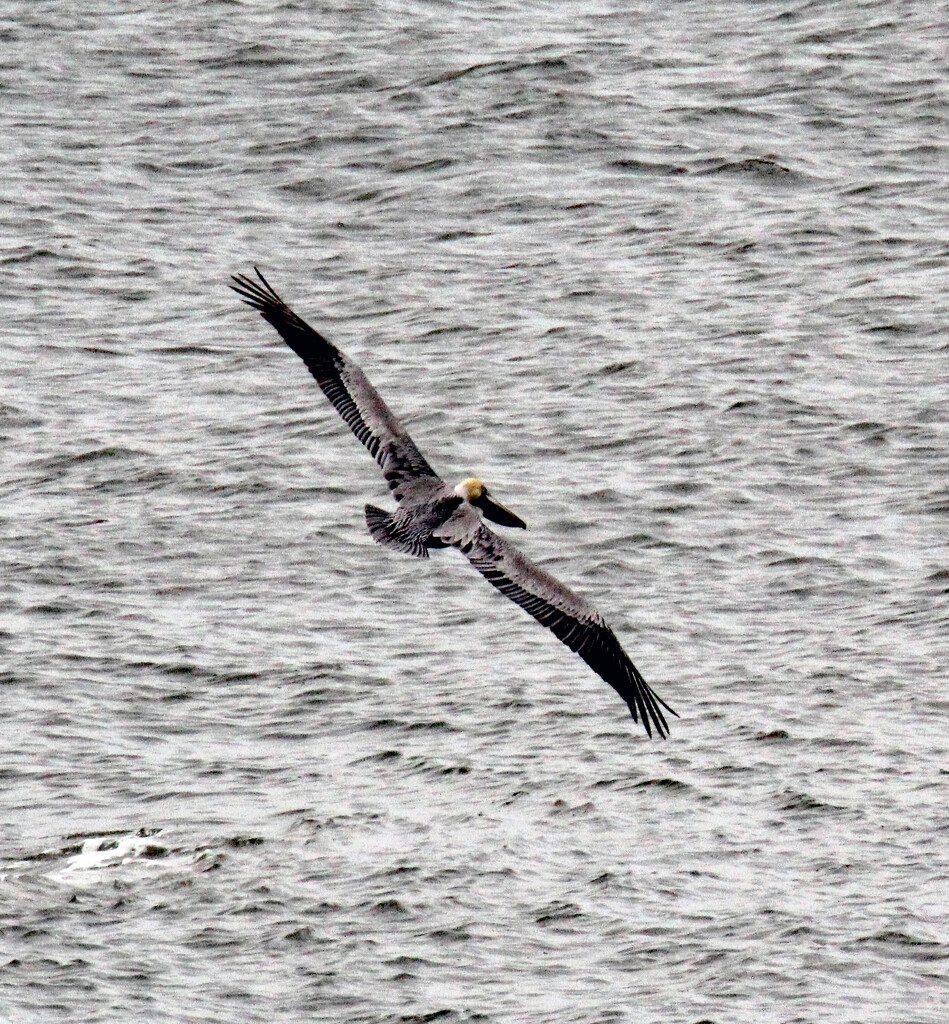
x,y
672,279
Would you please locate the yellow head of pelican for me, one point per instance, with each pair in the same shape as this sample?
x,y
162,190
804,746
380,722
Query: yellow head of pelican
x,y
475,493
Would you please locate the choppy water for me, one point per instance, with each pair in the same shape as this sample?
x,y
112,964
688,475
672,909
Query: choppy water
x,y
672,278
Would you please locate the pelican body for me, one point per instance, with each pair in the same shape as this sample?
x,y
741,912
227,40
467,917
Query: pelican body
x,y
430,514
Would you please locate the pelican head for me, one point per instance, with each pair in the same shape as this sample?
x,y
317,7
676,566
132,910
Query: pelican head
x,y
475,493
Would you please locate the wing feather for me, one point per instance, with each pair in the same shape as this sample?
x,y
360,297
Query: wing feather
x,y
571,618
344,384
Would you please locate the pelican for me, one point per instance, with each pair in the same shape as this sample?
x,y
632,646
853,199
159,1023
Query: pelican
x,y
431,514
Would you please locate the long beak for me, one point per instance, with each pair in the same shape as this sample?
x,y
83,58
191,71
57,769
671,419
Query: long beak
x,y
496,512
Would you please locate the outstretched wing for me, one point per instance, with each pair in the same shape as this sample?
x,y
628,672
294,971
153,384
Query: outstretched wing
x,y
570,617
344,384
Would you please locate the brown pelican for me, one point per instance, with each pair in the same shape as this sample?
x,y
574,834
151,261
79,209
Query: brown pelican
x,y
430,514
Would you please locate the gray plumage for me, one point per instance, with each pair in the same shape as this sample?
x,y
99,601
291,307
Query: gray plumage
x,y
430,514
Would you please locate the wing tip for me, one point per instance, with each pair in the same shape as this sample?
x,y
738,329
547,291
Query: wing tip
x,y
260,296
646,705
650,719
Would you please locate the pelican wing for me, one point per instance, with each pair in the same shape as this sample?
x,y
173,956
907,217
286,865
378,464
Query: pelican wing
x,y
570,617
344,384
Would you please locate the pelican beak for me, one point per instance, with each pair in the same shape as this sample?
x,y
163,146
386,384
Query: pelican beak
x,y
496,512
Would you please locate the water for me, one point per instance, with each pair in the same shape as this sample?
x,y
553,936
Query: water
x,y
672,279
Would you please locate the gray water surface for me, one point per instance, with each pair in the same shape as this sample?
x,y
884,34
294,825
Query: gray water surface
x,y
673,280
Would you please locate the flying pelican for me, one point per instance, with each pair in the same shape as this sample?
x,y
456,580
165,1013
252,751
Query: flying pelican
x,y
431,514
